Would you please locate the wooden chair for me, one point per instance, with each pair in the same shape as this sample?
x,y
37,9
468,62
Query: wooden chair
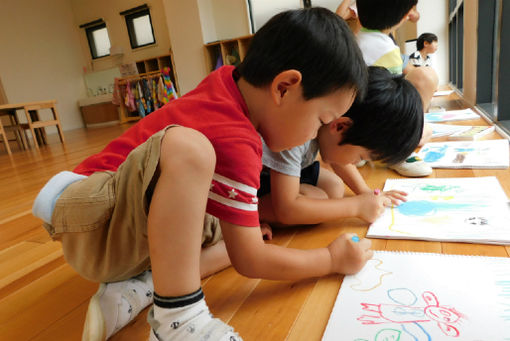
x,y
5,139
36,126
16,128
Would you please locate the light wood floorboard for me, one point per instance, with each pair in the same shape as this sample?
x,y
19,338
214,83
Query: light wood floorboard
x,y
43,298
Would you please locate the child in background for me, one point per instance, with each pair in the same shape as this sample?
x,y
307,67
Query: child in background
x,y
386,125
378,18
426,44
194,166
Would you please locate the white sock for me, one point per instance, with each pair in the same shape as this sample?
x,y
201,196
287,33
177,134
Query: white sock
x,y
186,318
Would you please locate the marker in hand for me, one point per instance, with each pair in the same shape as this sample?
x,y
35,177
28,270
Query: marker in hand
x,y
355,238
377,191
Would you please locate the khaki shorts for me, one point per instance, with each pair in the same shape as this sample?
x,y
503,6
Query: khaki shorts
x,y
102,220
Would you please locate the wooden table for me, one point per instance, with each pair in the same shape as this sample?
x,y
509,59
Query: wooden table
x,y
34,123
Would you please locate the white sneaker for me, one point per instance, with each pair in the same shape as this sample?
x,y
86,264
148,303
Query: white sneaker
x,y
436,108
214,330
361,163
413,166
116,304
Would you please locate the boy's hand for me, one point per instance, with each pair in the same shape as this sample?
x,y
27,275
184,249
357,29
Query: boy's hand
x,y
348,256
267,232
396,197
371,206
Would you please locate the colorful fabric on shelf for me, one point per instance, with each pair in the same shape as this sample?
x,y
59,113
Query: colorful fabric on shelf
x,y
169,92
147,95
140,101
117,94
154,94
129,98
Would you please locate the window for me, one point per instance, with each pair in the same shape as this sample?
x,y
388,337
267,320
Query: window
x,y
456,39
486,56
493,61
503,68
97,36
139,26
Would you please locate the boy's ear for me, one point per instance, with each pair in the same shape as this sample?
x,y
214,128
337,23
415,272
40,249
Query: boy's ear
x,y
283,82
340,125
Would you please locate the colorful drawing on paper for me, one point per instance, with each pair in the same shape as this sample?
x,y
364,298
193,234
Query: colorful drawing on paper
x,y
440,130
405,312
374,281
451,115
466,154
453,209
425,297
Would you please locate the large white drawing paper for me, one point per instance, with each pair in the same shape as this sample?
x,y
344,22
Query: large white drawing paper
x,y
451,209
443,93
440,130
402,296
451,115
466,154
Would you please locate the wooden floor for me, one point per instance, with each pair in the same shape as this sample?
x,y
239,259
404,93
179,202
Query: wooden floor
x,y
42,298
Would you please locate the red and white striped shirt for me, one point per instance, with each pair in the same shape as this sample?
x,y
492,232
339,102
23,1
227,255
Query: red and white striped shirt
x,y
216,109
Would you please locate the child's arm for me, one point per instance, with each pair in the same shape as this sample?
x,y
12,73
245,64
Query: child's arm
x,y
343,10
252,257
291,207
352,178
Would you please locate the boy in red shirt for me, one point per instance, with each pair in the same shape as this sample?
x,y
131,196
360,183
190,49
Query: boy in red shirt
x,y
155,196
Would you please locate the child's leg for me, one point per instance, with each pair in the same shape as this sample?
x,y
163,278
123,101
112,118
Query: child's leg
x,y
175,225
425,80
116,304
213,259
177,210
330,183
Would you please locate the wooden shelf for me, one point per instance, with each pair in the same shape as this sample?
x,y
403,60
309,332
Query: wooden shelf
x,y
146,69
231,51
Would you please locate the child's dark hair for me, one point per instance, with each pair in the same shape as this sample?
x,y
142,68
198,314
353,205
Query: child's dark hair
x,y
313,41
389,121
425,37
382,14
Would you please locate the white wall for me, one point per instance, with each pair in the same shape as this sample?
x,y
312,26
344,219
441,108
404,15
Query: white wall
x,y
41,56
223,19
207,20
85,11
232,18
183,23
332,5
263,10
434,19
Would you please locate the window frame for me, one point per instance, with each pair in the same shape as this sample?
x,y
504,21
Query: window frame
x,y
90,28
129,17
487,57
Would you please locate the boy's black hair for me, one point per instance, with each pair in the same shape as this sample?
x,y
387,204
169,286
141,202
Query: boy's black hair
x,y
314,41
389,121
382,14
425,37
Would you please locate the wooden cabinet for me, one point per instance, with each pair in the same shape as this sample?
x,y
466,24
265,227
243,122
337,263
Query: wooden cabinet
x,y
226,52
157,64
99,113
147,69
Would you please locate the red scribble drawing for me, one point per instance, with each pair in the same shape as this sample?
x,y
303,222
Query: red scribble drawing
x,y
445,317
